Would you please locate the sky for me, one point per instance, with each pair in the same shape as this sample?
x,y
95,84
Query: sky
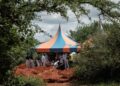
x,y
50,22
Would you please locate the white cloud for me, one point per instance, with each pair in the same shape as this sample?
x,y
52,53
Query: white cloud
x,y
116,1
50,22
41,37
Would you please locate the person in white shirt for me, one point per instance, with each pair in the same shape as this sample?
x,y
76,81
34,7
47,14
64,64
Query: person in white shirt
x,y
43,60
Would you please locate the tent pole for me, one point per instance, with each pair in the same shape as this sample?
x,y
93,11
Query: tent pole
x,y
56,57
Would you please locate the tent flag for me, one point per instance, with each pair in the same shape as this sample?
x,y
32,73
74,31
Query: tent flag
x,y
59,43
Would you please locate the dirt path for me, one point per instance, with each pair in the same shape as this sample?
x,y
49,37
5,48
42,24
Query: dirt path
x,y
49,74
46,73
59,84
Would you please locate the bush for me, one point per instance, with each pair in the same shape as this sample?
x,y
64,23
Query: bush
x,y
102,62
24,81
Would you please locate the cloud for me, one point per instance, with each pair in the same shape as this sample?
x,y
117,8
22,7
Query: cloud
x,y
41,37
116,1
50,22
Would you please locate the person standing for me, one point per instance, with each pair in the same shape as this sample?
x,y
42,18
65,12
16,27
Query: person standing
x,y
65,60
46,59
61,63
27,62
37,61
31,62
43,60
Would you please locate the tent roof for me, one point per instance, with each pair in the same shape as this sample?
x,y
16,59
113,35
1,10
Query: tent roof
x,y
59,43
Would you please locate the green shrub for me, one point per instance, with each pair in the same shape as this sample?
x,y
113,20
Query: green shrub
x,y
107,84
24,81
102,62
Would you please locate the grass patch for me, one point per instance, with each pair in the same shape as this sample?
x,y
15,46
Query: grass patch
x,y
77,83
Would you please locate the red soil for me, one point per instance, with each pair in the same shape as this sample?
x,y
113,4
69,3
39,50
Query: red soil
x,y
59,84
46,73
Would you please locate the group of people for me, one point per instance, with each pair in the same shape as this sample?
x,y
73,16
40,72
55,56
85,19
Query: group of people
x,y
60,61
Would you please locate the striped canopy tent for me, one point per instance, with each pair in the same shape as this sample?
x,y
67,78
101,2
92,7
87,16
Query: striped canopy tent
x,y
59,43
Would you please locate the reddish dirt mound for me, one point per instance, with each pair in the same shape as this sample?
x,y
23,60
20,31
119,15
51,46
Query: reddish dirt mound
x,y
46,73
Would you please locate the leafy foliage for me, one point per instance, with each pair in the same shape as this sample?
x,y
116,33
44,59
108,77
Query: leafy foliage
x,y
24,81
15,23
82,33
101,62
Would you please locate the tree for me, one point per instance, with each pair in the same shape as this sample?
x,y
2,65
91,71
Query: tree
x,y
16,16
82,33
102,61
108,9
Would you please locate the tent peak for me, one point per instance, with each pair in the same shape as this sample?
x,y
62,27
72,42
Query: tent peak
x,y
59,28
